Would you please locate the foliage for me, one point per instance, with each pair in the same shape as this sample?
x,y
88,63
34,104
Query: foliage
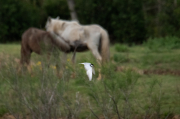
x,y
123,92
3,110
16,16
160,44
127,21
124,24
121,48
123,19
121,58
162,18
54,8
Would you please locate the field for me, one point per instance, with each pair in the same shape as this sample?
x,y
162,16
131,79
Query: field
x,y
139,82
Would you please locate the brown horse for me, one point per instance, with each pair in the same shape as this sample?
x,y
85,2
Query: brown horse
x,y
40,42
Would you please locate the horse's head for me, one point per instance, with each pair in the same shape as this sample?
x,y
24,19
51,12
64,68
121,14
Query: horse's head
x,y
49,23
54,24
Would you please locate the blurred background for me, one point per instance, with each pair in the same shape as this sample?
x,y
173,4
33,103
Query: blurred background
x,y
127,21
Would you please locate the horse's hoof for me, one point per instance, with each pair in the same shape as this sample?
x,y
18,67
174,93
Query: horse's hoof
x,y
73,75
99,77
59,75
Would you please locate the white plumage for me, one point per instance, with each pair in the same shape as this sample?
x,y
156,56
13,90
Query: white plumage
x,y
89,69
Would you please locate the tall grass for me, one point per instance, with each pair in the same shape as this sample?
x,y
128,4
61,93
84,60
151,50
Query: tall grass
x,y
124,94
161,44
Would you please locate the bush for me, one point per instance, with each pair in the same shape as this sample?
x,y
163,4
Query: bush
x,y
16,16
3,110
121,48
56,8
120,94
166,43
123,19
120,58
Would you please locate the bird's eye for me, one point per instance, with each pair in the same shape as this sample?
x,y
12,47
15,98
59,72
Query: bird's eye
x,y
91,65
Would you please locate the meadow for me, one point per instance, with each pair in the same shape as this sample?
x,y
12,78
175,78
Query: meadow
x,y
139,82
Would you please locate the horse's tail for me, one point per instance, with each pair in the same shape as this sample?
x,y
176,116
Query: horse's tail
x,y
25,51
104,50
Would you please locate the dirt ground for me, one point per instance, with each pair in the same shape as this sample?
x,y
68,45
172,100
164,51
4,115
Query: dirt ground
x,y
8,116
150,71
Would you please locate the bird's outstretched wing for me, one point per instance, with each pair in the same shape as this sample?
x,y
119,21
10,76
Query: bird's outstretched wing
x,y
87,66
93,71
89,73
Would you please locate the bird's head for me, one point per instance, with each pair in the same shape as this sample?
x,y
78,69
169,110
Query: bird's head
x,y
91,65
86,63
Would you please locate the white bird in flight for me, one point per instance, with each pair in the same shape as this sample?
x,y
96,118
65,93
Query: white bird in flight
x,y
89,69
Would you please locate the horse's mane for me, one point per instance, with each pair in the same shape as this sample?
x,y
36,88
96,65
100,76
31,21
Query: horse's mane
x,y
56,21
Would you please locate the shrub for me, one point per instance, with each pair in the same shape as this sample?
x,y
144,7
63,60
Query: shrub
x,y
17,16
56,8
120,58
166,43
123,19
121,48
3,110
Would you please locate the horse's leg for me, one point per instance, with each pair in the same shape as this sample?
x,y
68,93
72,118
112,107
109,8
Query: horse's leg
x,y
19,68
59,71
26,59
64,60
99,60
98,57
21,63
73,57
73,64
28,62
49,54
21,60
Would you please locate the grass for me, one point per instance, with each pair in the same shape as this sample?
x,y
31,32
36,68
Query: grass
x,y
122,93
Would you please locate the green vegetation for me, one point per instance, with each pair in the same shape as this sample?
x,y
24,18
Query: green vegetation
x,y
121,48
160,44
126,21
137,83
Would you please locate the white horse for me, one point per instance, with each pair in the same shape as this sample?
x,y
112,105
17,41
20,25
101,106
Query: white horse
x,y
81,37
